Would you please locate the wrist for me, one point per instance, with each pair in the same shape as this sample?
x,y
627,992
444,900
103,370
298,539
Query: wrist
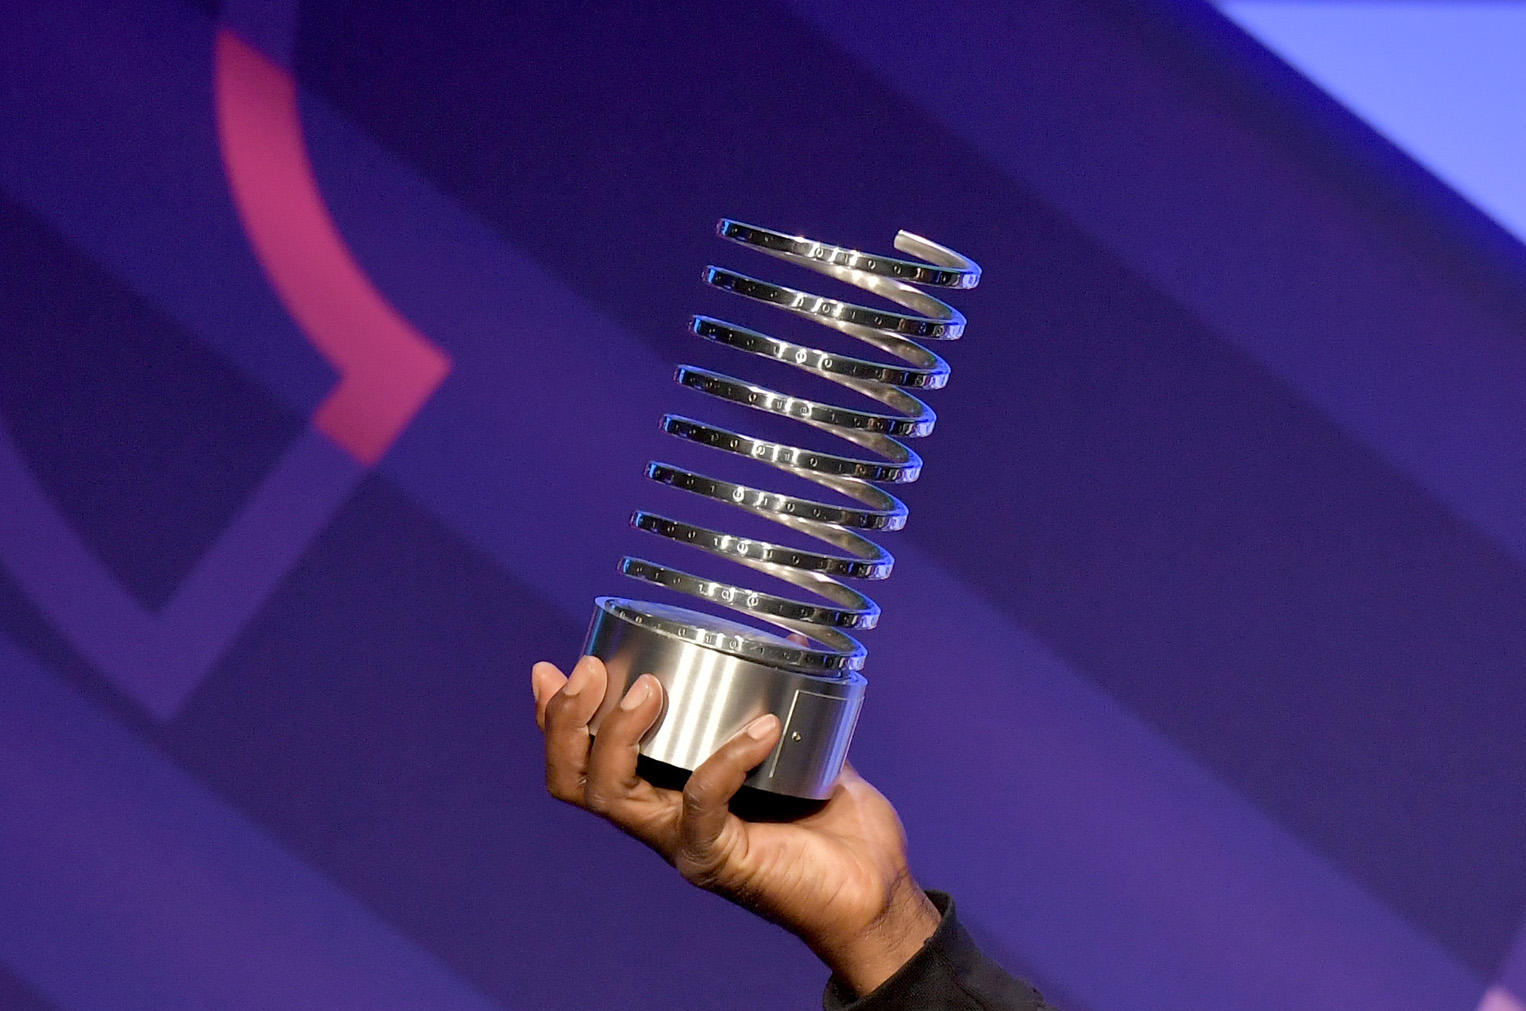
x,y
874,954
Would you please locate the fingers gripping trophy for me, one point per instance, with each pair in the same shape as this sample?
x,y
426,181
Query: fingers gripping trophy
x,y
718,675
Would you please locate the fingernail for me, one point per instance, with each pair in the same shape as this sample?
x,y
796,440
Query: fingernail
x,y
762,728
579,679
638,694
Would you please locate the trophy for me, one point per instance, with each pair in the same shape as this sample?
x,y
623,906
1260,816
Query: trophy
x,y
719,674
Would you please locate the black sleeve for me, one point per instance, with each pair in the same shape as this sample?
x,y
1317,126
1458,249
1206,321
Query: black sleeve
x,y
948,974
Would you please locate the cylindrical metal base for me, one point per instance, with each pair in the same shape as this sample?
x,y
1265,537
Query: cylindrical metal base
x,y
709,695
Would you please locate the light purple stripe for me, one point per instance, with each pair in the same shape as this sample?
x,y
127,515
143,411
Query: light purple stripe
x,y
159,658
125,884
1103,855
1273,257
562,404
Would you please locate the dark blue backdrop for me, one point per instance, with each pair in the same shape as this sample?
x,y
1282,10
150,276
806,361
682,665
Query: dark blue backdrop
x,y
334,339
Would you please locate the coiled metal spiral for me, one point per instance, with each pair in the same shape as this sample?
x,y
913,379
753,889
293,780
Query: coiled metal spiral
x,y
830,621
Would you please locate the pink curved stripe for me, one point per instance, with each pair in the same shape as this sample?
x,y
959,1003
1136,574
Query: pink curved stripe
x,y
387,369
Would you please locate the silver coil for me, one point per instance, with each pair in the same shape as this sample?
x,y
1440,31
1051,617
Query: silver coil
x,y
839,610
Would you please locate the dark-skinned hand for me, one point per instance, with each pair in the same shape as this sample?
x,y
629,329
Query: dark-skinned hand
x,y
837,878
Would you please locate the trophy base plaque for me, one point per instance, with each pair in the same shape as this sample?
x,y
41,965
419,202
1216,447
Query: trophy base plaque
x,y
710,694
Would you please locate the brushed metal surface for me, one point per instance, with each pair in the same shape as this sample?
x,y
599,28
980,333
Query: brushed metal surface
x,y
709,695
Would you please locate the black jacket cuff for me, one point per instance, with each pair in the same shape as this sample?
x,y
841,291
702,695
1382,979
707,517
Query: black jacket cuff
x,y
949,973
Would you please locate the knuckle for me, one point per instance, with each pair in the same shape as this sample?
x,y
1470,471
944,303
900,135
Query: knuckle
x,y
597,801
562,790
700,869
555,707
697,797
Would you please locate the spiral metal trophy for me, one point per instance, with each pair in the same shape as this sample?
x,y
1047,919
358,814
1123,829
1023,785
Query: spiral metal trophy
x,y
718,675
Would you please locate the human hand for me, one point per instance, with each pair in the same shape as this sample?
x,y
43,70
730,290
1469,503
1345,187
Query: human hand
x,y
837,878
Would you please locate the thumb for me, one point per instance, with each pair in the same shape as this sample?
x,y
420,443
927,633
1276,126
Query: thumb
x,y
709,791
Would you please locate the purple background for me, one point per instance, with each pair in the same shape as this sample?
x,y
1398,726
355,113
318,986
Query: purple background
x,y
1199,682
